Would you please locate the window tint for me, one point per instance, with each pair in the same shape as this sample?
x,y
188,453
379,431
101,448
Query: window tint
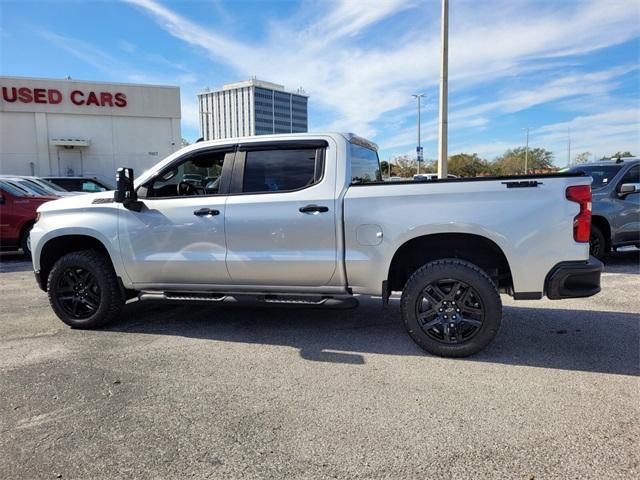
x,y
632,176
280,170
601,174
198,174
89,186
365,167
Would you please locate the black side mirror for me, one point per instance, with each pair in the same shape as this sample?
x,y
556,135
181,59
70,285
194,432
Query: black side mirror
x,y
125,192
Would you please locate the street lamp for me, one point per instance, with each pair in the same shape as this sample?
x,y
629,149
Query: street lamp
x,y
419,157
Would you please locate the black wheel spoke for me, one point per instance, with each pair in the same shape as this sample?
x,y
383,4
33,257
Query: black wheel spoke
x,y
78,292
454,312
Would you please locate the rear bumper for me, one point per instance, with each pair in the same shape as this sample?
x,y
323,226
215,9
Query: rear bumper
x,y
574,279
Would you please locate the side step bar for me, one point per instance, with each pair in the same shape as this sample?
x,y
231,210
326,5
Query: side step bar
x,y
268,299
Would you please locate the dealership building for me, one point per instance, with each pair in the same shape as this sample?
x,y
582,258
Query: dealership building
x,y
77,128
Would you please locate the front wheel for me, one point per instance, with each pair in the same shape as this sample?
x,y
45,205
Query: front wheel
x,y
83,290
597,243
451,308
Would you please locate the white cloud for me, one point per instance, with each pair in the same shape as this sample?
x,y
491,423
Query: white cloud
x,y
355,87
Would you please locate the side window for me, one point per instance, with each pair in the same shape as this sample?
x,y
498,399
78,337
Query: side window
x,y
632,176
198,174
281,170
90,186
365,166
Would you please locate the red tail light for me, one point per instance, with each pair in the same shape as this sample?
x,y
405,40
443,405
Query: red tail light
x,y
582,222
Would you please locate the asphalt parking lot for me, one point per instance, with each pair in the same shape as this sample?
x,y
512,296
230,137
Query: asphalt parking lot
x,y
231,392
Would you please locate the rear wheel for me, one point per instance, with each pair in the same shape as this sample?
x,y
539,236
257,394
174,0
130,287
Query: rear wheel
x,y
83,290
451,308
597,243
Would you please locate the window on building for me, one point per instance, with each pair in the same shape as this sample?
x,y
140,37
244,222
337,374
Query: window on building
x,y
281,170
365,166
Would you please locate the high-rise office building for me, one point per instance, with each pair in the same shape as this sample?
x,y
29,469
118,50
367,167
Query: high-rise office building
x,y
252,107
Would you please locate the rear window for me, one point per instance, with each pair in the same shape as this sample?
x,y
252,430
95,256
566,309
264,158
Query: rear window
x,y
601,174
365,166
281,170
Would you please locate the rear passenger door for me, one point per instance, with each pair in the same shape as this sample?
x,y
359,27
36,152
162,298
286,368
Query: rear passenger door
x,y
626,223
280,215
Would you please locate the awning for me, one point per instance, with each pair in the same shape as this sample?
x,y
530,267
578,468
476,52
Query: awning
x,y
69,142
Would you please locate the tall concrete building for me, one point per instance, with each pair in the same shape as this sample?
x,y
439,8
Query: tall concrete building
x,y
252,107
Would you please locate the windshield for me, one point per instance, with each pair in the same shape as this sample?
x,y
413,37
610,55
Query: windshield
x,y
30,187
601,174
13,189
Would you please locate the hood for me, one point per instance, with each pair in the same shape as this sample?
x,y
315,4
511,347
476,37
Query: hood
x,y
75,201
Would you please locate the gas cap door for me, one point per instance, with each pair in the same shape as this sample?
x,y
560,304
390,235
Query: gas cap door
x,y
369,234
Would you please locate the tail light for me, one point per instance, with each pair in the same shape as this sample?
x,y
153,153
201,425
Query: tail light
x,y
581,194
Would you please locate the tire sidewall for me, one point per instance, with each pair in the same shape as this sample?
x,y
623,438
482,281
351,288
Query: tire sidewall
x,y
473,276
105,283
596,232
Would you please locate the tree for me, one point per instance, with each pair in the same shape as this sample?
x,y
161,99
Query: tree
x,y
384,167
404,166
622,154
184,142
512,161
581,158
467,165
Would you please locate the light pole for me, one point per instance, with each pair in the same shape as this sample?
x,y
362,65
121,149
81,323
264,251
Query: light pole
x,y
526,153
418,96
444,75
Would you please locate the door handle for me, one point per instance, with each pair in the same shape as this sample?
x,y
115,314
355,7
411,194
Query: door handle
x,y
203,212
313,209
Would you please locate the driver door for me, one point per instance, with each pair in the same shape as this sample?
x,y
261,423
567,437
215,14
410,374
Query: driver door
x,y
178,238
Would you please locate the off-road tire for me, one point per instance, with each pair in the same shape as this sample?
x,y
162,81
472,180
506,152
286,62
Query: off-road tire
x,y
597,243
472,276
111,299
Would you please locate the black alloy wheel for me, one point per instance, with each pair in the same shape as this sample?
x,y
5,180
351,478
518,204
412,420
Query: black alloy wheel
x,y
78,292
450,311
597,243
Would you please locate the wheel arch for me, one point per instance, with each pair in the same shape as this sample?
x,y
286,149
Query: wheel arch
x,y
603,224
54,248
477,249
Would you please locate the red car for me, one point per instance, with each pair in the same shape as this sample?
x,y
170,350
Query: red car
x,y
17,215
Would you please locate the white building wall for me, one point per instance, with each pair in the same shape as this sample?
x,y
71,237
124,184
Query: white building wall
x,y
138,135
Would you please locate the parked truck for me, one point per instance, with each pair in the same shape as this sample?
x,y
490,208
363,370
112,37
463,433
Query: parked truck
x,y
306,218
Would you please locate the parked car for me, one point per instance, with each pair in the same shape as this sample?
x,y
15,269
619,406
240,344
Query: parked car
x,y
616,204
429,176
306,218
81,184
38,186
17,215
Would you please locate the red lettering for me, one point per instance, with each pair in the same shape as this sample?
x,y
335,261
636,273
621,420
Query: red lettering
x,y
14,94
92,99
106,99
24,95
55,96
121,100
39,95
74,96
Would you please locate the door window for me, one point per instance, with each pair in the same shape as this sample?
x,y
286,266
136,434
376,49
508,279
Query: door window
x,y
632,176
199,174
365,166
281,170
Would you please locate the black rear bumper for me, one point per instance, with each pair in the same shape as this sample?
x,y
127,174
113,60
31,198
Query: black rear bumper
x,y
574,279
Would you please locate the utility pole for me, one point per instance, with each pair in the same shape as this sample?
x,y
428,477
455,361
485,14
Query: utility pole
x,y
444,75
419,157
526,154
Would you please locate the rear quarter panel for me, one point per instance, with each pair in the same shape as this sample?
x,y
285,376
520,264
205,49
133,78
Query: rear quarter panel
x,y
532,226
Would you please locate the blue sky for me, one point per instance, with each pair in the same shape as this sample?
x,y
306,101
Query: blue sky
x,y
552,66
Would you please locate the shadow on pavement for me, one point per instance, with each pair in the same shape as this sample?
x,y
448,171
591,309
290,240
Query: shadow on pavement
x,y
14,262
626,261
593,341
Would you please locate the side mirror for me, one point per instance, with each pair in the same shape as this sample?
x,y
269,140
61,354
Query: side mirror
x,y
627,188
125,192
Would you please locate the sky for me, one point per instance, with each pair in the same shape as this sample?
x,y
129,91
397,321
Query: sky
x,y
565,70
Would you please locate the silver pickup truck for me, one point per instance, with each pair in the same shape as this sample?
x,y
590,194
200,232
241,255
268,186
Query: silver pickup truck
x,y
306,218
